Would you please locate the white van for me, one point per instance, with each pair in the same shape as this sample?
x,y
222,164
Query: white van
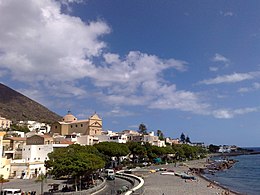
x,y
11,192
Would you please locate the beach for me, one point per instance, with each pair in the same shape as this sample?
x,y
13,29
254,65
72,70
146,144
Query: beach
x,y
156,183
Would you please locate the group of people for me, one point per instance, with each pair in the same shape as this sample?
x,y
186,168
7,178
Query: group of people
x,y
29,193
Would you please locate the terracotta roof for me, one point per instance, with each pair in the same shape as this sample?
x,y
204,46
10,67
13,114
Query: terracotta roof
x,y
64,141
16,138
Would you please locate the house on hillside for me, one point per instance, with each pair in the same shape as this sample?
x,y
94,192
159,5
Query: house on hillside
x,y
5,123
35,126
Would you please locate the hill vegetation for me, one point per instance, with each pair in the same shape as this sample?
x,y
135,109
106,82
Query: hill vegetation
x,y
15,106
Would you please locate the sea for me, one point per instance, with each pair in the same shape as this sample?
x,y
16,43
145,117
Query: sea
x,y
243,177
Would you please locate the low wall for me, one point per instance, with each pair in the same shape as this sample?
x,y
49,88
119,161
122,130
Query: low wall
x,y
138,189
93,190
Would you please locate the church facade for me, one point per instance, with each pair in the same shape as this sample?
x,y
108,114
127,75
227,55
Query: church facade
x,y
70,124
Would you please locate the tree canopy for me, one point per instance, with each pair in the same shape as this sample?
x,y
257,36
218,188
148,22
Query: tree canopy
x,y
160,134
187,140
142,129
112,149
182,138
74,160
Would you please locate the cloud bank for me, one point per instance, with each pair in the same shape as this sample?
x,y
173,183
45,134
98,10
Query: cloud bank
x,y
60,55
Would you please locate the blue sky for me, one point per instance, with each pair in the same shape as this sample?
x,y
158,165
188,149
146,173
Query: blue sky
x,y
189,66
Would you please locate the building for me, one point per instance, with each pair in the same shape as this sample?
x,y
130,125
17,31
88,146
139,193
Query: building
x,y
5,123
112,137
149,138
70,125
4,162
34,153
172,141
13,147
35,126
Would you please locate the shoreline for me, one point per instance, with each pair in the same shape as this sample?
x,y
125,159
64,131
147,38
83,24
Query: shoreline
x,y
157,183
218,184
203,176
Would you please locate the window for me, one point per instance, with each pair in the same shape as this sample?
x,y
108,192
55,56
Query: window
x,y
70,126
39,158
76,125
56,127
28,158
81,125
34,158
39,148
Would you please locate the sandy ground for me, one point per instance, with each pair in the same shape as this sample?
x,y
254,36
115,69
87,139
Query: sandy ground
x,y
157,184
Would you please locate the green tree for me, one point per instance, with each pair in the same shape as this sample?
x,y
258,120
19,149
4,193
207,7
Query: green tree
x,y
74,161
137,150
160,135
213,148
41,178
142,128
112,149
187,140
22,128
183,138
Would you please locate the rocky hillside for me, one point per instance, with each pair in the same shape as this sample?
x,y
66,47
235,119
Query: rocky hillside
x,y
15,106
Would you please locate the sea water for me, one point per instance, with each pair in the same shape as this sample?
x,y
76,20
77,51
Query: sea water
x,y
243,177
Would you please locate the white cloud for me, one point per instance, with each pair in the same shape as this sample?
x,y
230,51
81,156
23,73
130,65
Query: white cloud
x,y
137,80
213,69
56,53
255,86
232,78
118,112
45,44
219,58
228,113
227,13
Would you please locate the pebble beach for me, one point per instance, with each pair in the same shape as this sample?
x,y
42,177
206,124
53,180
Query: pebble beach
x,y
158,184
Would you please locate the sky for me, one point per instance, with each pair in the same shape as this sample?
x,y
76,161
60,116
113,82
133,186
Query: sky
x,y
190,66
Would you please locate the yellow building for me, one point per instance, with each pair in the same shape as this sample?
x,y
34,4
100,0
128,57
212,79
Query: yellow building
x,y
5,164
70,124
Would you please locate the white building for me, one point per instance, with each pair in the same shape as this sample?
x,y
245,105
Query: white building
x,y
34,153
36,126
5,123
89,140
115,137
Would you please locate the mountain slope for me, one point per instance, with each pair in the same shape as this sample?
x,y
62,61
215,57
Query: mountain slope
x,y
15,106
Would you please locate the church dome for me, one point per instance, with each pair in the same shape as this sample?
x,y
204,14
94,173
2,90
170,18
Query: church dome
x,y
69,117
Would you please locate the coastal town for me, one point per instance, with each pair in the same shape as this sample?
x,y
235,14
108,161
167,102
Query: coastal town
x,y
26,147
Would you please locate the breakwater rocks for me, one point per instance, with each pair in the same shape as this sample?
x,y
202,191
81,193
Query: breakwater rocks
x,y
218,165
214,165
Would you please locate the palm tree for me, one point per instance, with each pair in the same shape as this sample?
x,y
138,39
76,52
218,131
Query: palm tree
x,y
142,129
41,178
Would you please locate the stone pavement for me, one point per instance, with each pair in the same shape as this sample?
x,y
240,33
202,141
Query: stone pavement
x,y
28,185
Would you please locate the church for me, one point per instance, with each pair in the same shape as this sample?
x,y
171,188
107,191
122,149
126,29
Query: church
x,y
70,124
